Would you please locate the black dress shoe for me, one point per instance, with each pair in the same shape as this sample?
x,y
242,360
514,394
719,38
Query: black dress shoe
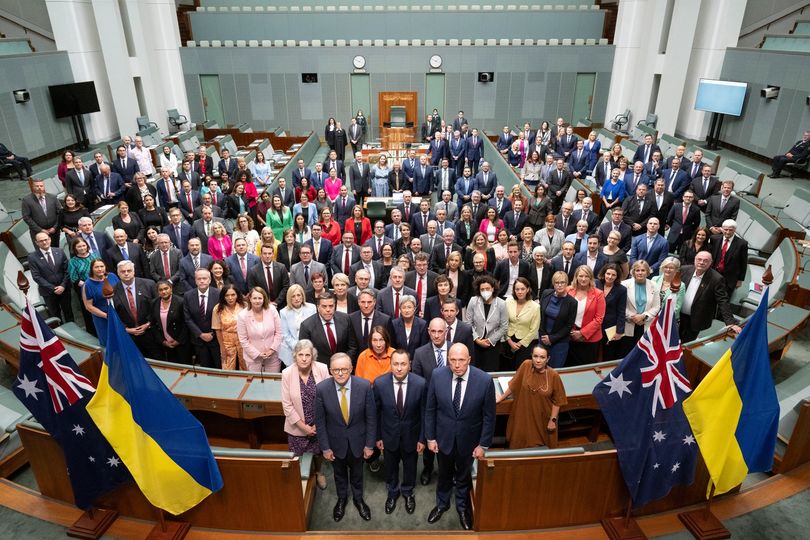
x,y
424,479
436,514
465,520
774,175
363,509
410,504
340,509
391,504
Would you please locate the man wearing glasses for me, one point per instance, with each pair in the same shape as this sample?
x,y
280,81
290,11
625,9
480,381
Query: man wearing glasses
x,y
346,424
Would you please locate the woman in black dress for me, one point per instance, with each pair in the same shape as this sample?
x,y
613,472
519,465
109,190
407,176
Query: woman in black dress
x,y
151,215
329,133
130,223
140,189
72,212
341,139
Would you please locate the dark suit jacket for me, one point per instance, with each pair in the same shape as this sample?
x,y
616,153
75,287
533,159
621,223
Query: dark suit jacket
x,y
188,212
156,265
697,187
103,242
473,426
630,185
378,318
232,261
288,199
257,277
502,274
676,185
656,254
678,230
624,230
423,182
433,308
297,176
175,320
570,228
93,167
283,255
689,165
116,186
419,335
538,288
338,257
715,216
312,329
410,281
231,168
438,259
187,270
126,172
438,150
424,361
49,277
514,225
395,431
641,150
341,171
561,331
463,334
578,165
192,176
385,299
186,234
113,256
373,243
566,143
37,219
84,192
582,258
209,165
325,255
378,273
634,214
711,298
666,204
559,182
592,219
360,182
653,170
145,294
333,432
736,260
474,152
338,213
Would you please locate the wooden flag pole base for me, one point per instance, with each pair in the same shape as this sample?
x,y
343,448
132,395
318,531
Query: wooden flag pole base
x,y
169,530
704,525
622,528
92,523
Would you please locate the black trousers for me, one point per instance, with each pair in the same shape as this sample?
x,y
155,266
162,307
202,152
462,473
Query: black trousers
x,y
179,355
22,165
59,305
208,354
392,461
455,470
428,459
348,470
779,163
685,329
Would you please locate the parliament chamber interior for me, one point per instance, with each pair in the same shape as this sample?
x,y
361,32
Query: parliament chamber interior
x,y
501,209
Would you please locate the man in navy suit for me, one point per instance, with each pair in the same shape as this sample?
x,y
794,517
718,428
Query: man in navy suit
x,y
191,262
124,165
633,178
400,398
457,147
578,161
321,248
459,121
49,271
409,165
680,228
797,152
110,186
389,298
444,179
644,152
392,231
240,263
676,180
586,214
564,261
486,181
500,202
651,247
465,185
505,140
566,144
177,224
654,167
593,257
332,162
529,134
342,209
459,425
423,178
419,221
300,172
189,200
127,251
602,170
346,424
437,150
317,177
98,242
198,307
227,164
474,152
694,167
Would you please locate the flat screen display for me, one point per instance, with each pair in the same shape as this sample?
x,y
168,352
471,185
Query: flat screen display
x,y
74,98
724,97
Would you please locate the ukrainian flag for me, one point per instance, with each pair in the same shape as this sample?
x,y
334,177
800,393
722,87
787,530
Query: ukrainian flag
x,y
161,443
734,412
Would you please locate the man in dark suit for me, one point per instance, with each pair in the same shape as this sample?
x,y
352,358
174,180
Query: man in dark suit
x,y
635,178
359,174
444,179
390,296
124,250
540,272
651,247
694,167
509,269
203,163
41,212
178,230
683,221
378,239
565,221
400,398
190,263
317,177
189,201
578,161
558,183
644,152
438,259
593,257
198,306
332,162
602,170
328,330
586,214
367,317
486,181
367,263
301,171
465,186
187,173
344,255
168,189
110,186
662,201
704,187
342,209
407,208
680,155
457,151
21,164
654,167
638,209
566,143
49,271
500,202
459,425
676,179
164,262
422,281
346,426
423,178
438,150
355,135
79,183
99,242
95,166
132,299
124,165
240,263
458,331
321,250
420,220
797,152
459,121
227,164
705,295
286,193
721,207
474,153
565,260
505,140
409,165
617,224
271,276
730,255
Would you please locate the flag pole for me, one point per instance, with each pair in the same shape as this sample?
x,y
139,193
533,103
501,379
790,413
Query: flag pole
x,y
623,527
168,529
702,523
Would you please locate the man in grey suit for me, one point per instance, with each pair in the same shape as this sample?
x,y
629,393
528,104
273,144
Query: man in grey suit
x,y
49,271
202,227
367,263
301,272
449,206
164,262
41,212
430,239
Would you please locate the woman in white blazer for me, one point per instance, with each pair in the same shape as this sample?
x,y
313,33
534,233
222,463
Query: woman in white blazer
x,y
294,313
643,303
488,324
298,382
259,330
550,237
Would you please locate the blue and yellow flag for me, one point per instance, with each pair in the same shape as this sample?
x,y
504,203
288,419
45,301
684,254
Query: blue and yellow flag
x,y
161,443
734,411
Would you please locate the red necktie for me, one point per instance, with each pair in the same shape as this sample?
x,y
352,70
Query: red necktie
x,y
331,337
346,265
190,207
721,264
214,198
407,213
685,213
269,272
243,266
396,306
166,269
419,293
132,309
379,246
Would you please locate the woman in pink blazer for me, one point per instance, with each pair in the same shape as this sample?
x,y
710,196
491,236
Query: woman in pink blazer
x,y
298,383
491,225
220,245
587,331
259,330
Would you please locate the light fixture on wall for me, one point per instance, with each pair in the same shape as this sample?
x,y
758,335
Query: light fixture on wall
x,y
21,96
770,92
486,76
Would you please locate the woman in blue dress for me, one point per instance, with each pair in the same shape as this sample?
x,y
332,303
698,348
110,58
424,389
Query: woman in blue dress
x,y
379,177
261,170
93,297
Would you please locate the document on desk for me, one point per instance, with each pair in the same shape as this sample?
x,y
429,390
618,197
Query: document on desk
x,y
503,382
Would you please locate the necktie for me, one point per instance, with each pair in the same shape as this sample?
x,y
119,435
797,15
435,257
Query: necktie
x,y
207,228
132,309
346,261
396,305
685,213
243,267
43,205
306,274
584,216
177,236
635,181
92,241
268,271
344,403
658,201
419,281
196,262
671,179
446,252
646,154
567,265
457,395
166,269
202,306
344,206
365,330
500,205
379,246
400,400
721,263
705,186
439,358
188,199
565,224
124,253
475,210
50,259
722,204
123,164
641,205
449,334
424,221
408,213
330,336
694,169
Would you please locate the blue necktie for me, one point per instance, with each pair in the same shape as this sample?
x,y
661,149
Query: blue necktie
x,y
439,358
124,253
457,395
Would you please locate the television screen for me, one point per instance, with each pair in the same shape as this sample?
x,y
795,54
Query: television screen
x,y
74,98
724,97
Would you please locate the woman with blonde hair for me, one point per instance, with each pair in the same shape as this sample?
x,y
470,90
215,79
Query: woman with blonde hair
x,y
259,329
292,315
643,303
587,330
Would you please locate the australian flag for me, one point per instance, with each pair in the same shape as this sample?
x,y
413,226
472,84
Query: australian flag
x,y
51,386
641,400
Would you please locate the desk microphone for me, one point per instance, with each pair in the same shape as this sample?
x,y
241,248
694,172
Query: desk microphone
x,y
781,210
261,371
765,199
194,365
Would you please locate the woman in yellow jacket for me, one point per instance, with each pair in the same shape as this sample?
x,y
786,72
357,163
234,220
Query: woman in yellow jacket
x,y
524,322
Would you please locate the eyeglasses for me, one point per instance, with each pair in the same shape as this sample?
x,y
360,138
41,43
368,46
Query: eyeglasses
x,y
340,371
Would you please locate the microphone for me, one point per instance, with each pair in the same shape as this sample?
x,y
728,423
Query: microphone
x,y
765,199
781,209
261,370
194,365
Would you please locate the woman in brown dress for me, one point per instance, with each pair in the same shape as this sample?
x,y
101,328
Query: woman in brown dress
x,y
223,322
538,395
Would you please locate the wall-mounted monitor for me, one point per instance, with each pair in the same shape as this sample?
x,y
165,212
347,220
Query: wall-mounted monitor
x,y
74,99
724,97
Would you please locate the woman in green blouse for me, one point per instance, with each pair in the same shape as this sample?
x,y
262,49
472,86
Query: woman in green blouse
x,y
279,217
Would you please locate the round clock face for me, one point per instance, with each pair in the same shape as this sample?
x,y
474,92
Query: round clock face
x,y
435,61
359,62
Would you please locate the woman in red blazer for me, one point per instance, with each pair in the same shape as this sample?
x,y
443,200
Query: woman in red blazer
x,y
587,330
359,225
